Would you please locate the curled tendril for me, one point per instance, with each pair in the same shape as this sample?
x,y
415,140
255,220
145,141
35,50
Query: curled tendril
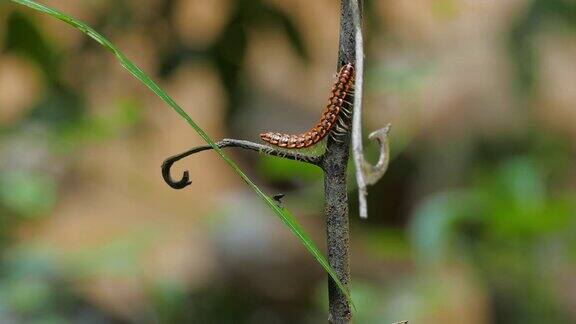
x,y
373,173
167,165
227,142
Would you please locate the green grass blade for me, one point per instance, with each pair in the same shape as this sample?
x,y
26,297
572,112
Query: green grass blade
x,y
282,213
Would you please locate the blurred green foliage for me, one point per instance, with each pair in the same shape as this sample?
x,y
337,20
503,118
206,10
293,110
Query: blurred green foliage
x,y
27,194
34,288
538,14
506,223
228,51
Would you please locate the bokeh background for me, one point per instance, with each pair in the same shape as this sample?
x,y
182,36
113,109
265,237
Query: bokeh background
x,y
473,223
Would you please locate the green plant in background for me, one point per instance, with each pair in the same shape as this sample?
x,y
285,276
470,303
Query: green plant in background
x,y
35,289
27,194
26,191
54,125
505,226
227,53
538,13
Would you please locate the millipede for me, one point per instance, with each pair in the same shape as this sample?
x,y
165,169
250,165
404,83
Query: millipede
x,y
334,120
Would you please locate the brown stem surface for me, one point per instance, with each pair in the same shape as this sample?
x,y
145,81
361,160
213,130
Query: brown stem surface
x,y
335,188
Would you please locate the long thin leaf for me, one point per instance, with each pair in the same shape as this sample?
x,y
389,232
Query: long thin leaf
x,y
282,213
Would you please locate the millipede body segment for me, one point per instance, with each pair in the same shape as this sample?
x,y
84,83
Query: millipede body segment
x,y
334,119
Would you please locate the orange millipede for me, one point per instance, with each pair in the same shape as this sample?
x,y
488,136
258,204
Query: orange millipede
x,y
337,113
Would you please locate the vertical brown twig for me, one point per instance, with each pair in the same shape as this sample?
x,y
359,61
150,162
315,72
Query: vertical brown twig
x,y
335,187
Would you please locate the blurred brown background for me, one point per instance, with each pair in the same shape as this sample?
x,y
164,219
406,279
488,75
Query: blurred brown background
x,y
473,223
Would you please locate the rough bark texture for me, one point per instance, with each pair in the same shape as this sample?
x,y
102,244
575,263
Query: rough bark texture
x,y
335,189
337,229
